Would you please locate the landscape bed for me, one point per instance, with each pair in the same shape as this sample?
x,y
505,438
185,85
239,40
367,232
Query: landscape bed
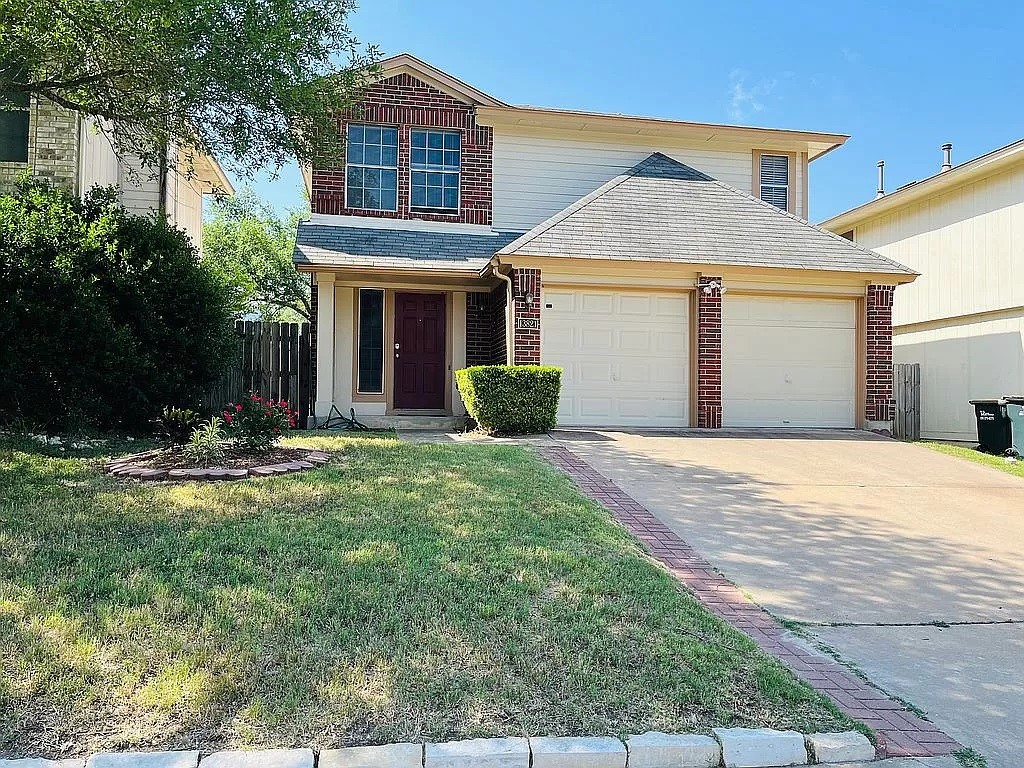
x,y
402,592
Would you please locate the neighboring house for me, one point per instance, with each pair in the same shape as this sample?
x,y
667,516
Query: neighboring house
x,y
69,151
466,231
963,320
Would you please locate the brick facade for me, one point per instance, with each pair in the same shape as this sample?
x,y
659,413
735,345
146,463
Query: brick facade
x,y
526,283
52,147
879,402
406,102
485,327
709,354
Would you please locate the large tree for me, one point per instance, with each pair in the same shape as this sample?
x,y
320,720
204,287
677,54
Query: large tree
x,y
250,246
252,82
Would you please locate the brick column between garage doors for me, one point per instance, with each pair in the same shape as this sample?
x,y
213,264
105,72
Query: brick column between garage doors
x,y
526,282
879,403
709,352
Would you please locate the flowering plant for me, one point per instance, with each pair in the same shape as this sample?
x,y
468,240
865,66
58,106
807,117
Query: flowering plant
x,y
256,423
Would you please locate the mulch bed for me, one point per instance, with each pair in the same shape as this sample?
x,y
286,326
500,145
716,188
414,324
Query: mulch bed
x,y
170,464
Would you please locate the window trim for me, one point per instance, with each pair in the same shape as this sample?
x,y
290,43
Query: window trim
x,y
442,211
384,341
396,168
790,187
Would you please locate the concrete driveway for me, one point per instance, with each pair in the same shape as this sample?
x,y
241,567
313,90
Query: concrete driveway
x,y
907,562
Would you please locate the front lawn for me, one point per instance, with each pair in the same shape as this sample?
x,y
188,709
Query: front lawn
x,y
403,592
972,454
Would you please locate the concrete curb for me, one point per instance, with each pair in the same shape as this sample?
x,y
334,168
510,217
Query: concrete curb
x,y
730,747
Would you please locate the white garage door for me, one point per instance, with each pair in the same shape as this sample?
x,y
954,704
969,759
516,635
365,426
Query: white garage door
x,y
788,362
625,356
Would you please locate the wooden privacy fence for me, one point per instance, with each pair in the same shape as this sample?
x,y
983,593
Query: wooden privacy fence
x,y
906,387
272,359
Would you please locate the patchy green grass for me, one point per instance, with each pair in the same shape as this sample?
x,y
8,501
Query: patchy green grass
x,y
971,454
403,592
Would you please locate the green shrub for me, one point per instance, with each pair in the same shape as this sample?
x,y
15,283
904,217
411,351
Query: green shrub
x,y
105,316
511,399
206,446
256,423
174,425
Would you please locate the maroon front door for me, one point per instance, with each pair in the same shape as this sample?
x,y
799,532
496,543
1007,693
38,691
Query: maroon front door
x,y
419,350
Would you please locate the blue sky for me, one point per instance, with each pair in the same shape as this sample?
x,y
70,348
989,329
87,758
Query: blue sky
x,y
901,78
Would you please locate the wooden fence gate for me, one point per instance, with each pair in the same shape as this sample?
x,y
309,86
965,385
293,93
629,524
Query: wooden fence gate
x,y
271,359
906,387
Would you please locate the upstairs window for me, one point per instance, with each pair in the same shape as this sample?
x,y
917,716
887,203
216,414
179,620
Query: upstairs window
x,y
14,127
775,180
435,159
371,170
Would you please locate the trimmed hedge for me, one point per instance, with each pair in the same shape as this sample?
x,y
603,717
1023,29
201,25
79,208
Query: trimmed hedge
x,y
511,399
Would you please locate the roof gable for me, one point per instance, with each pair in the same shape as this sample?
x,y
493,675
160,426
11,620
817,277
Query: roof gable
x,y
663,210
405,63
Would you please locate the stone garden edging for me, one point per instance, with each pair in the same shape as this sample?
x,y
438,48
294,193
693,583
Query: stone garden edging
x,y
730,747
128,468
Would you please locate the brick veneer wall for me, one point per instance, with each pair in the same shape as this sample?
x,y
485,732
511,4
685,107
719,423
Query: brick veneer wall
x,y
52,147
709,354
485,327
879,403
405,101
526,282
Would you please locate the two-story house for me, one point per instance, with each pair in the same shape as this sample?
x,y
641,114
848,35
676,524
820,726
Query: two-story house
x,y
963,321
69,151
666,266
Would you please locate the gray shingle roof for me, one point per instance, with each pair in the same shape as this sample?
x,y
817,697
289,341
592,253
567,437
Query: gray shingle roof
x,y
662,210
334,246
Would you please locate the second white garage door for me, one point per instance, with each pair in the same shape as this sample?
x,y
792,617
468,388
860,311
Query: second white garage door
x,y
624,355
788,362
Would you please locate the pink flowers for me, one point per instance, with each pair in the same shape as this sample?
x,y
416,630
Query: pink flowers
x,y
259,422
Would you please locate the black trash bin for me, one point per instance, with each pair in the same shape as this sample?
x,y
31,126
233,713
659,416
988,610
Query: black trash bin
x,y
993,426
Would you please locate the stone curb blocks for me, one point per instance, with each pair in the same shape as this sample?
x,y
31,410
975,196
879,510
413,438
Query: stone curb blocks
x,y
478,753
125,468
386,756
760,747
264,758
188,759
585,752
848,747
662,750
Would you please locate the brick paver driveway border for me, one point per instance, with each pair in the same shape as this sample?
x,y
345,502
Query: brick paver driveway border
x,y
900,732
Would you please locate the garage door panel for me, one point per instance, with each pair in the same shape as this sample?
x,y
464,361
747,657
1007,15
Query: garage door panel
x,y
625,356
788,362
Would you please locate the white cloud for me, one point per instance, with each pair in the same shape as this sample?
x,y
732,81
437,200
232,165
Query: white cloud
x,y
747,98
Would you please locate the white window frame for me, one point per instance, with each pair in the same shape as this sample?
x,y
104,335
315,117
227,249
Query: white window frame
x,y
398,153
788,186
440,210
383,341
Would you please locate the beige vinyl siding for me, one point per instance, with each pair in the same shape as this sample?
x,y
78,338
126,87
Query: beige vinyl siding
x,y
537,173
97,158
963,319
960,362
140,193
965,243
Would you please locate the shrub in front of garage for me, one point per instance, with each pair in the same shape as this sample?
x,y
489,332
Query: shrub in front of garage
x,y
511,399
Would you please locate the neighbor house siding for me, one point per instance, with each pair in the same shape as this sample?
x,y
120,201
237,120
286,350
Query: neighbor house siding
x,y
538,173
965,243
99,167
963,319
52,147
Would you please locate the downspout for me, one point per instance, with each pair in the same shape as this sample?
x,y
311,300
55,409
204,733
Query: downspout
x,y
509,318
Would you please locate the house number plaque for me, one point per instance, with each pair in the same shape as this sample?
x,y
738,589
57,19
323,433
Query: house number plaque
x,y
527,323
